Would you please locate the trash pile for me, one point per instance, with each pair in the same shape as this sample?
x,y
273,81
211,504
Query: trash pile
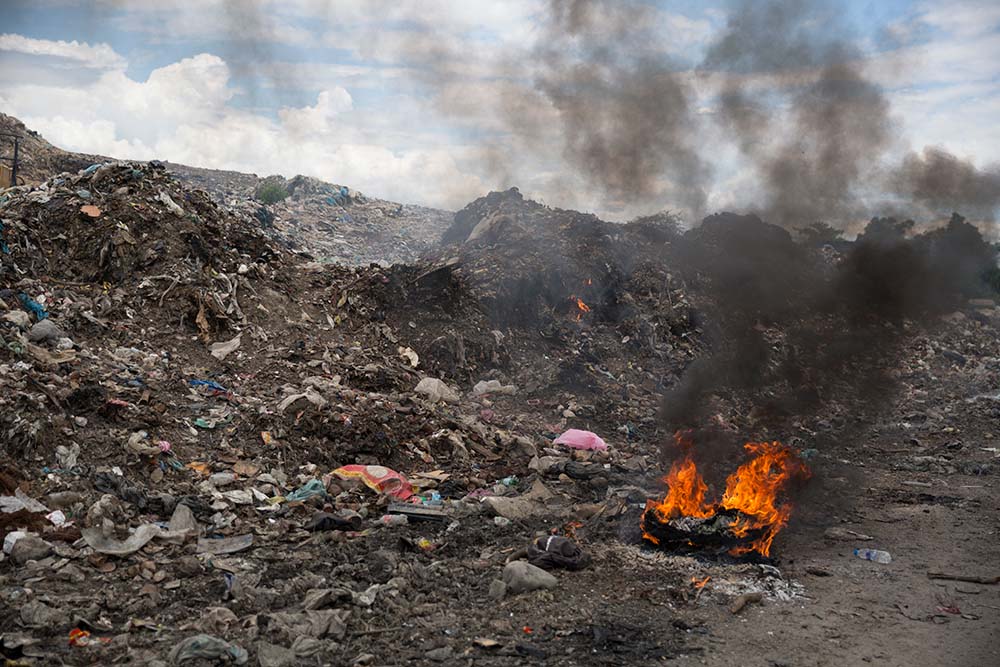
x,y
213,448
326,222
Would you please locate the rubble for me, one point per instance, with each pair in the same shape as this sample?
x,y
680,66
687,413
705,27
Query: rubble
x,y
521,577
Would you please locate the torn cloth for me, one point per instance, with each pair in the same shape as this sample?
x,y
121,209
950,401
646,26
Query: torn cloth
x,y
554,551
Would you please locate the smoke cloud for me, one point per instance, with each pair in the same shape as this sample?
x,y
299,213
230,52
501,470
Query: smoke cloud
x,y
840,323
836,125
625,112
594,94
942,183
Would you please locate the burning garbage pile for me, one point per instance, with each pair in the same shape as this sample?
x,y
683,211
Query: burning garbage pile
x,y
749,515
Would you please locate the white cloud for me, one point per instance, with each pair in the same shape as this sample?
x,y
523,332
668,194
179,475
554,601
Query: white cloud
x,y
183,112
318,118
97,137
98,56
961,18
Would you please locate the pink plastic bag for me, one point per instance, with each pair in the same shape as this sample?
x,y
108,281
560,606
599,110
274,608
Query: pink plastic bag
x,y
577,439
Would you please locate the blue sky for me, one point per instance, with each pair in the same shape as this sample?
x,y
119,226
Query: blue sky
x,y
340,89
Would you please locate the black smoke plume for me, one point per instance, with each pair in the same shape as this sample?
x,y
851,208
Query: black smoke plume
x,y
941,183
841,321
837,125
597,89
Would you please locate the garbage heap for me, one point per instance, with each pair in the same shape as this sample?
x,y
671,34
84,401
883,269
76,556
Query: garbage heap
x,y
194,418
214,448
325,222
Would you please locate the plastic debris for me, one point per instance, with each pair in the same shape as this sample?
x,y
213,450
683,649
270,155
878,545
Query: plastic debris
x,y
436,390
32,305
310,489
225,545
98,541
209,384
207,647
223,349
171,204
379,479
875,555
577,439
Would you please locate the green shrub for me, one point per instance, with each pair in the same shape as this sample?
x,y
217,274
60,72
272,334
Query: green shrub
x,y
270,192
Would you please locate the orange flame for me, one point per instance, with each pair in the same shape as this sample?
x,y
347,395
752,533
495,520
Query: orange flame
x,y
753,491
699,583
580,306
754,488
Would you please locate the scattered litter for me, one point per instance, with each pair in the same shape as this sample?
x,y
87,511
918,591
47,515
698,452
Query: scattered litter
x,y
436,390
311,489
742,601
971,578
557,552
837,533
98,541
874,555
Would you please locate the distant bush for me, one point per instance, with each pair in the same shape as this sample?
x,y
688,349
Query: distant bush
x,y
662,226
270,192
820,234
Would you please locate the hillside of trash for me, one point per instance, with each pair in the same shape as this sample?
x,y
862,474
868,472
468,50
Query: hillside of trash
x,y
336,430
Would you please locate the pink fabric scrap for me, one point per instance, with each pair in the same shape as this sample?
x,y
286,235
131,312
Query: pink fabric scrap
x,y
576,439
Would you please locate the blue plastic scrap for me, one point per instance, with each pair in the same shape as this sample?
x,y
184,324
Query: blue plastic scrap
x,y
32,305
208,383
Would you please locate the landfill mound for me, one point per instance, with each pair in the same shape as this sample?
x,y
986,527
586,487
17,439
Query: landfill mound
x,y
215,449
326,222
165,362
529,263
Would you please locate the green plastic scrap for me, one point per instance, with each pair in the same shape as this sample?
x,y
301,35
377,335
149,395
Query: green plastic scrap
x,y
201,422
310,489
